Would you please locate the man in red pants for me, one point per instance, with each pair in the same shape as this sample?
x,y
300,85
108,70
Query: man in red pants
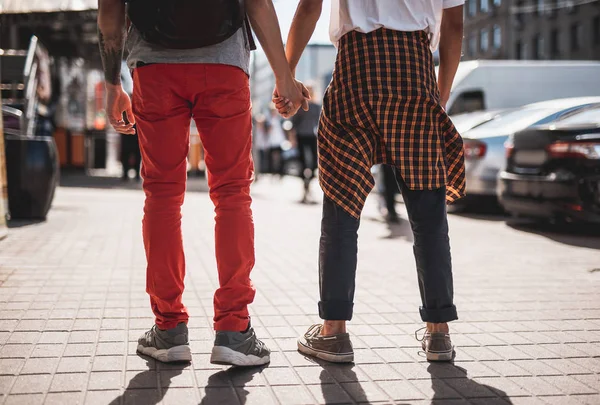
x,y
194,68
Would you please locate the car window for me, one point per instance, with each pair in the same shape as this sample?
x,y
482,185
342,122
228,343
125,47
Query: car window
x,y
587,116
467,102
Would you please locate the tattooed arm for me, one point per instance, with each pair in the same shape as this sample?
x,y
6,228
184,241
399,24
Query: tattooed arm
x,y
111,37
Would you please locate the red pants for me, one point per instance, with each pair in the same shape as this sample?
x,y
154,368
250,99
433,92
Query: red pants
x,y
165,98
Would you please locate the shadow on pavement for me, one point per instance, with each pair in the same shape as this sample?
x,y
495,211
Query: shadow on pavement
x,y
19,223
464,386
219,388
194,183
400,230
332,375
397,230
580,235
137,391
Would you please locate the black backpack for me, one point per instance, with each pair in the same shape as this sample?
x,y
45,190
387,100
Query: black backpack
x,y
188,24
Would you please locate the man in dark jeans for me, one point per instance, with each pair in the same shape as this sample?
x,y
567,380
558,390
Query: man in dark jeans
x,y
131,157
304,130
385,106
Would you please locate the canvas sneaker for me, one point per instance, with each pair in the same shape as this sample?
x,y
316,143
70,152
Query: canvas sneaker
x,y
168,346
334,348
239,349
437,346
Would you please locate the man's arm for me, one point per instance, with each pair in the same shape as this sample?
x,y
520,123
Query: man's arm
x,y
111,37
450,50
266,26
303,26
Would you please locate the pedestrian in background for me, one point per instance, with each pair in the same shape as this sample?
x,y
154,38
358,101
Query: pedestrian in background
x,y
304,137
276,136
191,59
384,105
390,190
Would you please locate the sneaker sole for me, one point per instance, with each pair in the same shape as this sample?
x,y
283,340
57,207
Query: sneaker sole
x,y
174,354
440,356
331,357
228,357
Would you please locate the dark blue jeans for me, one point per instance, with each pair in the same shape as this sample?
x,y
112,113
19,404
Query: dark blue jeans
x,y
339,248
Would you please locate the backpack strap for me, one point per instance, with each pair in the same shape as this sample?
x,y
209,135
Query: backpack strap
x,y
249,34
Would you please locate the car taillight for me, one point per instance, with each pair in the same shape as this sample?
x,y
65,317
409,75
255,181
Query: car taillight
x,y
509,147
475,149
574,150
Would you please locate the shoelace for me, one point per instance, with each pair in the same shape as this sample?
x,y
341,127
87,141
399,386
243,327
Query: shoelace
x,y
417,334
313,331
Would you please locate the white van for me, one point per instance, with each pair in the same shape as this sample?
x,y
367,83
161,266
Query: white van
x,y
498,84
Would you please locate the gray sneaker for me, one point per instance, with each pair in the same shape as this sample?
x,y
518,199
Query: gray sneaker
x,y
239,349
437,346
166,345
334,348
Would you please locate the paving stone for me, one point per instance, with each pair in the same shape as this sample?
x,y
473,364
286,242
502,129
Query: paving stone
x,y
365,392
469,388
570,386
79,350
15,351
247,396
40,365
536,385
69,382
105,380
47,350
25,399
141,396
74,364
108,363
31,384
435,388
74,305
289,394
6,383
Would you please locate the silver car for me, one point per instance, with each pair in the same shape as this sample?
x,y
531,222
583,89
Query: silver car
x,y
485,154
467,121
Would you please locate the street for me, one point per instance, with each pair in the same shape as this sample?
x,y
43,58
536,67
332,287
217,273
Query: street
x,y
72,293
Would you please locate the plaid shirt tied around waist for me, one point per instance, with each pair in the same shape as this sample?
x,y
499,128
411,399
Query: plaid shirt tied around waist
x,y
382,106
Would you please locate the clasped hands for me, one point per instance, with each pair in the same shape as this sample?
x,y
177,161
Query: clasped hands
x,y
289,96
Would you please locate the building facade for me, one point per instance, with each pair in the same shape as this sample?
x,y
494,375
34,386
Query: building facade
x,y
532,29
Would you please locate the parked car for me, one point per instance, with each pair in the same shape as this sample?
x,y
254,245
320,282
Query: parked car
x,y
467,121
499,84
553,171
485,156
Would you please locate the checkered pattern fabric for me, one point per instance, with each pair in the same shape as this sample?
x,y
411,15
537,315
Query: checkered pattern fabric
x,y
382,106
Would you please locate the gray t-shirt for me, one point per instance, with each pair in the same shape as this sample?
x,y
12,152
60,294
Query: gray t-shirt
x,y
234,51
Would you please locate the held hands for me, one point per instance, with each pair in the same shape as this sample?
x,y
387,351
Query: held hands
x,y
118,109
289,97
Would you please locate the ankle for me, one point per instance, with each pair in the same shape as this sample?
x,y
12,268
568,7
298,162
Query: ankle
x,y
437,327
333,328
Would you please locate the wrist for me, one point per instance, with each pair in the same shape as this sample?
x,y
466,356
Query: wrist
x,y
284,79
112,86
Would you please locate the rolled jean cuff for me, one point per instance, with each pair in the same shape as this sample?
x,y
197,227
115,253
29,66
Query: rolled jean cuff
x,y
336,310
440,315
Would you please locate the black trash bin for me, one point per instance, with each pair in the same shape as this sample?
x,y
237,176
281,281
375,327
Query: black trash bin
x,y
32,175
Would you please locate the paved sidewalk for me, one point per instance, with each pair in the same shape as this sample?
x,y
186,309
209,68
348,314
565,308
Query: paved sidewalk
x,y
72,305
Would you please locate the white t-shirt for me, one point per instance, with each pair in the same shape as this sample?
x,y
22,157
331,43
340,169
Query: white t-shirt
x,y
399,15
